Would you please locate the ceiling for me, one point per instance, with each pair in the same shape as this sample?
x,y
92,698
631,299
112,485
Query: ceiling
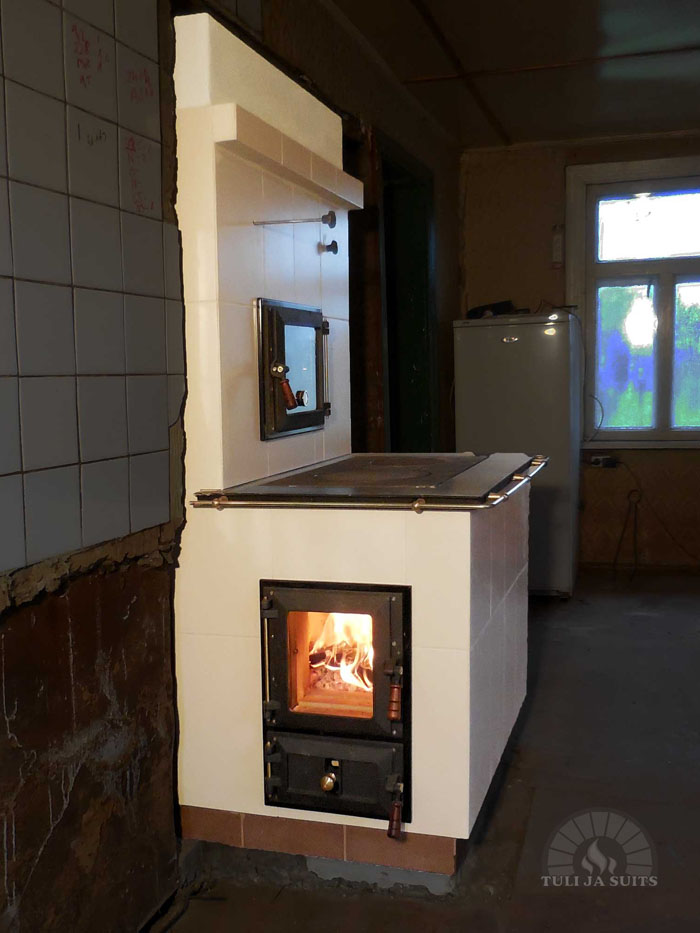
x,y
495,72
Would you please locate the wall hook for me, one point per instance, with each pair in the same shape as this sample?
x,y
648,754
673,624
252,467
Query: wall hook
x,y
331,247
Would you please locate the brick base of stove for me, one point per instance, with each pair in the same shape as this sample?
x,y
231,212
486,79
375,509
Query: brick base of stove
x,y
415,852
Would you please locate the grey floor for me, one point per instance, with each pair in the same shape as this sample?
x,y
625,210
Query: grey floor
x,y
612,721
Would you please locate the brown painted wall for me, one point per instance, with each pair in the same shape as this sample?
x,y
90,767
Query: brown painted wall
x,y
512,199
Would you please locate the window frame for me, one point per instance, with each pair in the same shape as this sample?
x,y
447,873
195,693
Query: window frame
x,y
585,184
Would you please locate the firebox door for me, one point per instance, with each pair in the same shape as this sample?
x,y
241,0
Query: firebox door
x,y
335,659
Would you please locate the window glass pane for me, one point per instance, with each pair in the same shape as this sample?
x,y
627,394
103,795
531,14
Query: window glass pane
x,y
625,349
649,226
300,356
686,357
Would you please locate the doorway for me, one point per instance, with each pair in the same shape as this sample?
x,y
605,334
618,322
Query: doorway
x,y
392,307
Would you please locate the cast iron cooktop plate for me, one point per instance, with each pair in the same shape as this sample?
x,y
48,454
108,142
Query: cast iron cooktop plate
x,y
380,478
362,472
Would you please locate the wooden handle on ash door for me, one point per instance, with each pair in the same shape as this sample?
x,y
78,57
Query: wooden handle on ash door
x,y
394,829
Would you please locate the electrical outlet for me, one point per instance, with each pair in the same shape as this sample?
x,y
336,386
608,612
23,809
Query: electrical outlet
x,y
603,460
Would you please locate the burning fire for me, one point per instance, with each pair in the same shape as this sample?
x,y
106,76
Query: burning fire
x,y
343,653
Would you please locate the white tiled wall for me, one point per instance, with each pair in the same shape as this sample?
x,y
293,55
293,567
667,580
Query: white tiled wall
x,y
282,262
91,319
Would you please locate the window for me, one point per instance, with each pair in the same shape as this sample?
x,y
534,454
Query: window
x,y
635,277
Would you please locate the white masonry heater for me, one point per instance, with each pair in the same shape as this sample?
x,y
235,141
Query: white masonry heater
x,y
379,606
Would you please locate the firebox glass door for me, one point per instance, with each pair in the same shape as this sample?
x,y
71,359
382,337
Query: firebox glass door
x,y
330,663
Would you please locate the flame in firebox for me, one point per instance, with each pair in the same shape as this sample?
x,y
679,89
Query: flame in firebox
x,y
345,646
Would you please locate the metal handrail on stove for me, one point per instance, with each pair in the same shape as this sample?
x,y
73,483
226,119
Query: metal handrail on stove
x,y
516,482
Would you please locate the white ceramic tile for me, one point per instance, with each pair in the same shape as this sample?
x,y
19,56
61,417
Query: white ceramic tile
x,y
196,206
516,533
137,90
12,509
40,234
149,490
36,136
336,434
144,329
10,461
240,262
142,246
102,417
8,352
296,450
498,546
278,242
278,252
239,201
218,682
139,174
175,336
105,500
176,393
98,13
45,343
307,260
92,158
245,456
486,705
3,136
515,649
440,682
52,503
480,610
5,248
147,407
49,423
171,260
90,66
99,331
31,39
137,25
437,549
335,273
96,245
239,191
334,545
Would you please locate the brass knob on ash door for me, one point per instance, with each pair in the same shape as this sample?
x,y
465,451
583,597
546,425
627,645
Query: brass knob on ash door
x,y
328,781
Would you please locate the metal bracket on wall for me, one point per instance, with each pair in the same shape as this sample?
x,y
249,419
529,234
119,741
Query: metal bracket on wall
x,y
328,219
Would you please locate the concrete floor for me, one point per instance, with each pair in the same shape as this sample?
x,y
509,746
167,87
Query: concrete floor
x,y
612,721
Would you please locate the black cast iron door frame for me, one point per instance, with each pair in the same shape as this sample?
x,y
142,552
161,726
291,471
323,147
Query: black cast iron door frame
x,y
390,610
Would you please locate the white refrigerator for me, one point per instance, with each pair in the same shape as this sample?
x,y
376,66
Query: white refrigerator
x,y
518,388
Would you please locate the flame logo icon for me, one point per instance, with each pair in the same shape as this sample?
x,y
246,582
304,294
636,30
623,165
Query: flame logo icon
x,y
594,858
599,847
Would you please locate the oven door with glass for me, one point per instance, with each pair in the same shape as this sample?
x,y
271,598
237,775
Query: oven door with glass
x,y
334,658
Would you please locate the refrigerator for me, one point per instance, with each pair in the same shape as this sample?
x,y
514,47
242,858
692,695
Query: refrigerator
x,y
518,387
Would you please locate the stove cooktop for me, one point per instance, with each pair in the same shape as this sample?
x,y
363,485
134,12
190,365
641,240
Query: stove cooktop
x,y
368,479
379,471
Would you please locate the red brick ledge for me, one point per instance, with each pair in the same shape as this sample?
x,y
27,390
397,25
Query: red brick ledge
x,y
328,840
